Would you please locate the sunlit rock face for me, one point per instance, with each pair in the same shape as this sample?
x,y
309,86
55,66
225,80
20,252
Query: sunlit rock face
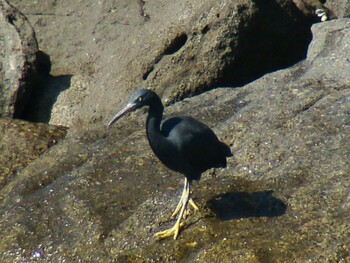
x,y
99,195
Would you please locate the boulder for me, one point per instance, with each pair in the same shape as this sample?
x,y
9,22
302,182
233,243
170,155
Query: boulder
x,y
341,8
18,48
178,49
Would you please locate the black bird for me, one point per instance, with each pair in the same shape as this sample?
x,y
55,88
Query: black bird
x,y
183,144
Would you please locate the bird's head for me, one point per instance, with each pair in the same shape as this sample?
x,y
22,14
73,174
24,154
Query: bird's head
x,y
140,98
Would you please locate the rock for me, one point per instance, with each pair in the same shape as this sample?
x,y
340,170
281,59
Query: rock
x,y
176,48
100,195
18,60
316,10
46,94
21,143
341,8
336,63
57,100
69,102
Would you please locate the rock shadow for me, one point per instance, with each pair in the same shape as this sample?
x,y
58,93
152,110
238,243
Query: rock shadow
x,y
44,96
44,90
283,40
234,205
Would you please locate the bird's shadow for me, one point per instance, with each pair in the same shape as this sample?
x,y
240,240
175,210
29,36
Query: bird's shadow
x,y
234,205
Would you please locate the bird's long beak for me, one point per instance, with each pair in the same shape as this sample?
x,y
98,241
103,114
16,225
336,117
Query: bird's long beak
x,y
129,107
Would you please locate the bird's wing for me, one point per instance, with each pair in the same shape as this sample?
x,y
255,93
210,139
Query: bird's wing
x,y
197,145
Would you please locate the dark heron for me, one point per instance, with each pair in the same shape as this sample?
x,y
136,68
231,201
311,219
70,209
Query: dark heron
x,y
183,144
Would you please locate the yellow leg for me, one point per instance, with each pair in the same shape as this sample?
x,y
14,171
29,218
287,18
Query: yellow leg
x,y
190,201
179,205
182,207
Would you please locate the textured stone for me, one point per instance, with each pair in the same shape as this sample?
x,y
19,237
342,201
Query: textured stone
x,y
178,48
21,143
100,195
18,49
341,8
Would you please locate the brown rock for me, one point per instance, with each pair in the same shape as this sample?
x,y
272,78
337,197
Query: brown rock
x,y
21,143
18,57
99,196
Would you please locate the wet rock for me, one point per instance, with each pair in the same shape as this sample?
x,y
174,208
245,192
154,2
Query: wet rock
x,y
18,61
21,143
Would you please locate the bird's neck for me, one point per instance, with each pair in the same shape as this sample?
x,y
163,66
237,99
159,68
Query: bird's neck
x,y
154,119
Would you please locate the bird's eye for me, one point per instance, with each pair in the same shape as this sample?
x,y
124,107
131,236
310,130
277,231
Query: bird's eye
x,y
139,99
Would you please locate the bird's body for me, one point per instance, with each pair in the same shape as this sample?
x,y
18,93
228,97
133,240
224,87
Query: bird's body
x,y
182,143
194,147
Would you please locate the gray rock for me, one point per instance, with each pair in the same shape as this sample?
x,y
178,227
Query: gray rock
x,y
341,8
18,49
177,48
100,195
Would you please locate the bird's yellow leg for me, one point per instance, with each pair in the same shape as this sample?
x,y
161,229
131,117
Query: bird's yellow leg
x,y
176,228
190,201
179,205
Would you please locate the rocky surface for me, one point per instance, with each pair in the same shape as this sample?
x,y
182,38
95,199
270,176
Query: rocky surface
x,y
99,195
22,142
186,46
317,10
18,47
341,8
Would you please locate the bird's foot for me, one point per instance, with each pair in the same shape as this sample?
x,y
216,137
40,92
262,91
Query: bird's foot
x,y
191,203
187,211
169,232
194,206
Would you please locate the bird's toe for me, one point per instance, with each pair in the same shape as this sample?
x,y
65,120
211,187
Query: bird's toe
x,y
194,206
174,231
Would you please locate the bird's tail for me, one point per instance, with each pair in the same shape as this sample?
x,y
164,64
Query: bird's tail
x,y
226,150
